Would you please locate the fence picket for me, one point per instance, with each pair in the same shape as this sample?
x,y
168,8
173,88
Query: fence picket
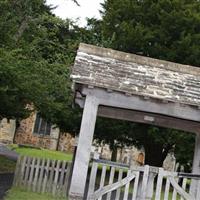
x,y
17,171
56,178
112,173
36,174
26,177
32,167
61,180
127,187
46,175
198,190
144,181
51,176
66,180
174,194
103,176
159,183
119,179
92,178
167,186
135,186
41,174
184,186
23,170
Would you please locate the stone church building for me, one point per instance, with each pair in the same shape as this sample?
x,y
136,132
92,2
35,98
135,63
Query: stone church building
x,y
35,131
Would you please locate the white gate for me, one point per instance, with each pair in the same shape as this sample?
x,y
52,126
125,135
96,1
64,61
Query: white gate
x,y
116,181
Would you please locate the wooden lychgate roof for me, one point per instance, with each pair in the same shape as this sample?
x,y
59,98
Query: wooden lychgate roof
x,y
136,75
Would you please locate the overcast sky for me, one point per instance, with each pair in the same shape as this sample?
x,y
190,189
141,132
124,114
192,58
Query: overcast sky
x,y
68,9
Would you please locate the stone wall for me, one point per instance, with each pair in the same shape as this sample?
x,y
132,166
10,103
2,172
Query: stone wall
x,y
24,135
66,142
124,155
7,130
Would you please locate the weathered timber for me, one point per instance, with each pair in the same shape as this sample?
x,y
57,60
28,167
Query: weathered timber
x,y
84,148
142,117
41,175
133,74
119,100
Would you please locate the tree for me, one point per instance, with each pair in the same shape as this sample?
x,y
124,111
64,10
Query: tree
x,y
115,133
164,29
36,51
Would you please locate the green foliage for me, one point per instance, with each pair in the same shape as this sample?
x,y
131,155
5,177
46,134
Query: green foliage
x,y
164,29
36,51
115,133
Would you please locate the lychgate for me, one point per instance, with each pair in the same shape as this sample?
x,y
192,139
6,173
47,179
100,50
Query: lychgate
x,y
125,86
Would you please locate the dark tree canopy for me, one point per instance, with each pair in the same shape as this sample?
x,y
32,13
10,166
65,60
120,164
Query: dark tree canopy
x,y
36,52
164,29
37,49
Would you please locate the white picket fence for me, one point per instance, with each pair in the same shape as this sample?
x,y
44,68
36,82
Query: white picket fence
x,y
119,181
43,175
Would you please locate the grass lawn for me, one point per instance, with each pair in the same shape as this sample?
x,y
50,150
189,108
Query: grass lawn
x,y
6,165
22,194
41,153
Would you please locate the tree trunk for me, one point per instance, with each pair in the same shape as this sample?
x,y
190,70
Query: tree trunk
x,y
114,154
155,155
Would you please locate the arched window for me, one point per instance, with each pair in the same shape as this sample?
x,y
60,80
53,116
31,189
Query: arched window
x,y
41,126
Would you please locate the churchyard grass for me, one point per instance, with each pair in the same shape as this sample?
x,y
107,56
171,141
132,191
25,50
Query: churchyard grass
x,y
22,194
6,165
41,153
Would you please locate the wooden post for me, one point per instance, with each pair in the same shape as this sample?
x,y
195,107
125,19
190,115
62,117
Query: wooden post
x,y
81,163
150,184
196,165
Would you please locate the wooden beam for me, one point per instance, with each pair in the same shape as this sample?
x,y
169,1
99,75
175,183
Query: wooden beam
x,y
135,102
81,163
149,118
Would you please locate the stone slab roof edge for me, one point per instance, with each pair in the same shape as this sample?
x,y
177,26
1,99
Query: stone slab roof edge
x,y
129,57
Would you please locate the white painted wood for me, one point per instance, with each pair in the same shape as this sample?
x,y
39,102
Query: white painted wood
x,y
184,186
112,187
150,183
174,194
92,181
144,182
167,186
196,165
126,191
119,100
112,173
198,190
179,189
135,186
103,175
119,179
159,183
84,147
